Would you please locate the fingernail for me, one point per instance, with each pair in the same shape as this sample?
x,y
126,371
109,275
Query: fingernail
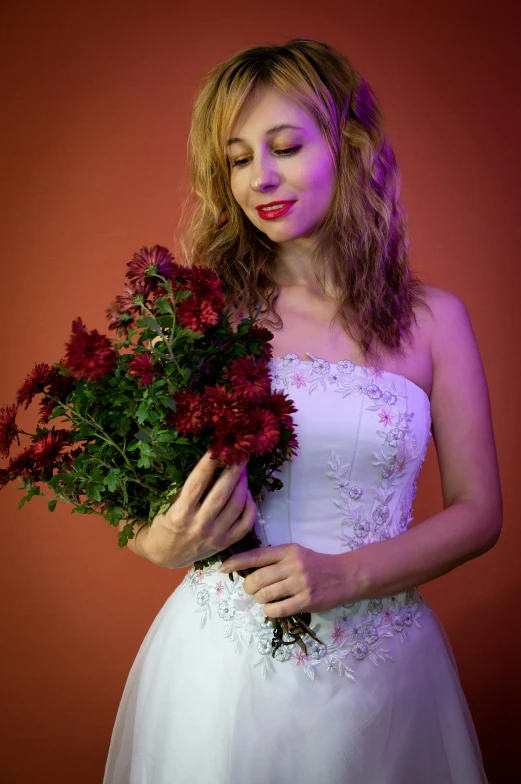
x,y
223,569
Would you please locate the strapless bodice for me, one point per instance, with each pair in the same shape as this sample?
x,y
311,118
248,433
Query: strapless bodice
x,y
363,435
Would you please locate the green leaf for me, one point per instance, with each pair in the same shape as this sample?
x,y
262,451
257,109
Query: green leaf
x,y
123,427
166,438
163,305
93,490
97,475
33,490
112,479
182,295
153,324
114,515
142,413
144,436
51,506
170,403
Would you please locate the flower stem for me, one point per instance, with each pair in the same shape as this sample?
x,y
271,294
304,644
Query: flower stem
x,y
165,340
105,436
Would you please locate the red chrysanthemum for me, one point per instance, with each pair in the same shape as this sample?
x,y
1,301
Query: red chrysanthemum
x,y
219,403
23,466
204,308
142,367
8,429
189,417
59,388
41,375
230,445
205,283
146,264
197,314
250,379
264,426
89,355
282,406
48,449
120,314
263,336
252,432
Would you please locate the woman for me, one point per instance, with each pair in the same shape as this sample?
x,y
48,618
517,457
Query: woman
x,y
298,211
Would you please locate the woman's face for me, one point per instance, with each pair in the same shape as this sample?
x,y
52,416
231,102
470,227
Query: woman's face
x,y
280,157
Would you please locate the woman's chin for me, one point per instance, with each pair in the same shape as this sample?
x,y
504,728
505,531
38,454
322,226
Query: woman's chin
x,y
284,233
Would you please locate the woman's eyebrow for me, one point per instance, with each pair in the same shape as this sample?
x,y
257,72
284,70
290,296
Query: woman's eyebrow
x,y
275,129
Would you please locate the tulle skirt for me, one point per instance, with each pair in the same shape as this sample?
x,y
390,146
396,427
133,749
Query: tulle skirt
x,y
377,701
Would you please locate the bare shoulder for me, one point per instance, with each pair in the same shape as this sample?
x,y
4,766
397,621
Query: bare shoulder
x,y
460,407
447,313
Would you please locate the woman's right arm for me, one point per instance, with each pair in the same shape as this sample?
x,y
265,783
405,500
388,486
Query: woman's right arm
x,y
190,530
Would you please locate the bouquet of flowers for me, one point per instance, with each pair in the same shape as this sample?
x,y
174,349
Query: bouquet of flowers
x,y
142,409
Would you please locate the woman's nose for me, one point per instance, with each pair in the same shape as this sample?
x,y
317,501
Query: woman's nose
x,y
263,174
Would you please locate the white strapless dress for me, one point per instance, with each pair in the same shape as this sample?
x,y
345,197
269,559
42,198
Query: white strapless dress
x,y
381,701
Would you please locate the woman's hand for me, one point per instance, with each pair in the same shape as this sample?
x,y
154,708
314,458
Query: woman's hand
x,y
291,579
191,529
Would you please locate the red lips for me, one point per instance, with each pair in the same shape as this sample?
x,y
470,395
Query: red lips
x,y
273,203
270,214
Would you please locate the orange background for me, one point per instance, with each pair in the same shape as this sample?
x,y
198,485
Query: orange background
x,y
97,99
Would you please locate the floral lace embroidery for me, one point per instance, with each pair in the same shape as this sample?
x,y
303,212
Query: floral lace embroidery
x,y
398,450
358,632
347,377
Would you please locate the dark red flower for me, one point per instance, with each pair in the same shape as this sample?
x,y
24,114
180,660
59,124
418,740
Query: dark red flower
x,y
142,367
59,388
264,426
233,441
204,308
121,313
262,335
189,417
89,355
206,283
250,379
23,466
196,313
8,429
41,375
219,403
258,428
146,264
279,404
48,449
282,406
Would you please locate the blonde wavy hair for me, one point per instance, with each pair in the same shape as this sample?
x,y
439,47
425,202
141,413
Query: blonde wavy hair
x,y
363,237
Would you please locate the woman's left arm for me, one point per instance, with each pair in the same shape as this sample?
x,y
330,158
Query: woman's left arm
x,y
468,526
471,520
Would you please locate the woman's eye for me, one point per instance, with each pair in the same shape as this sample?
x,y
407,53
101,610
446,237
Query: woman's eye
x,y
289,150
285,153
